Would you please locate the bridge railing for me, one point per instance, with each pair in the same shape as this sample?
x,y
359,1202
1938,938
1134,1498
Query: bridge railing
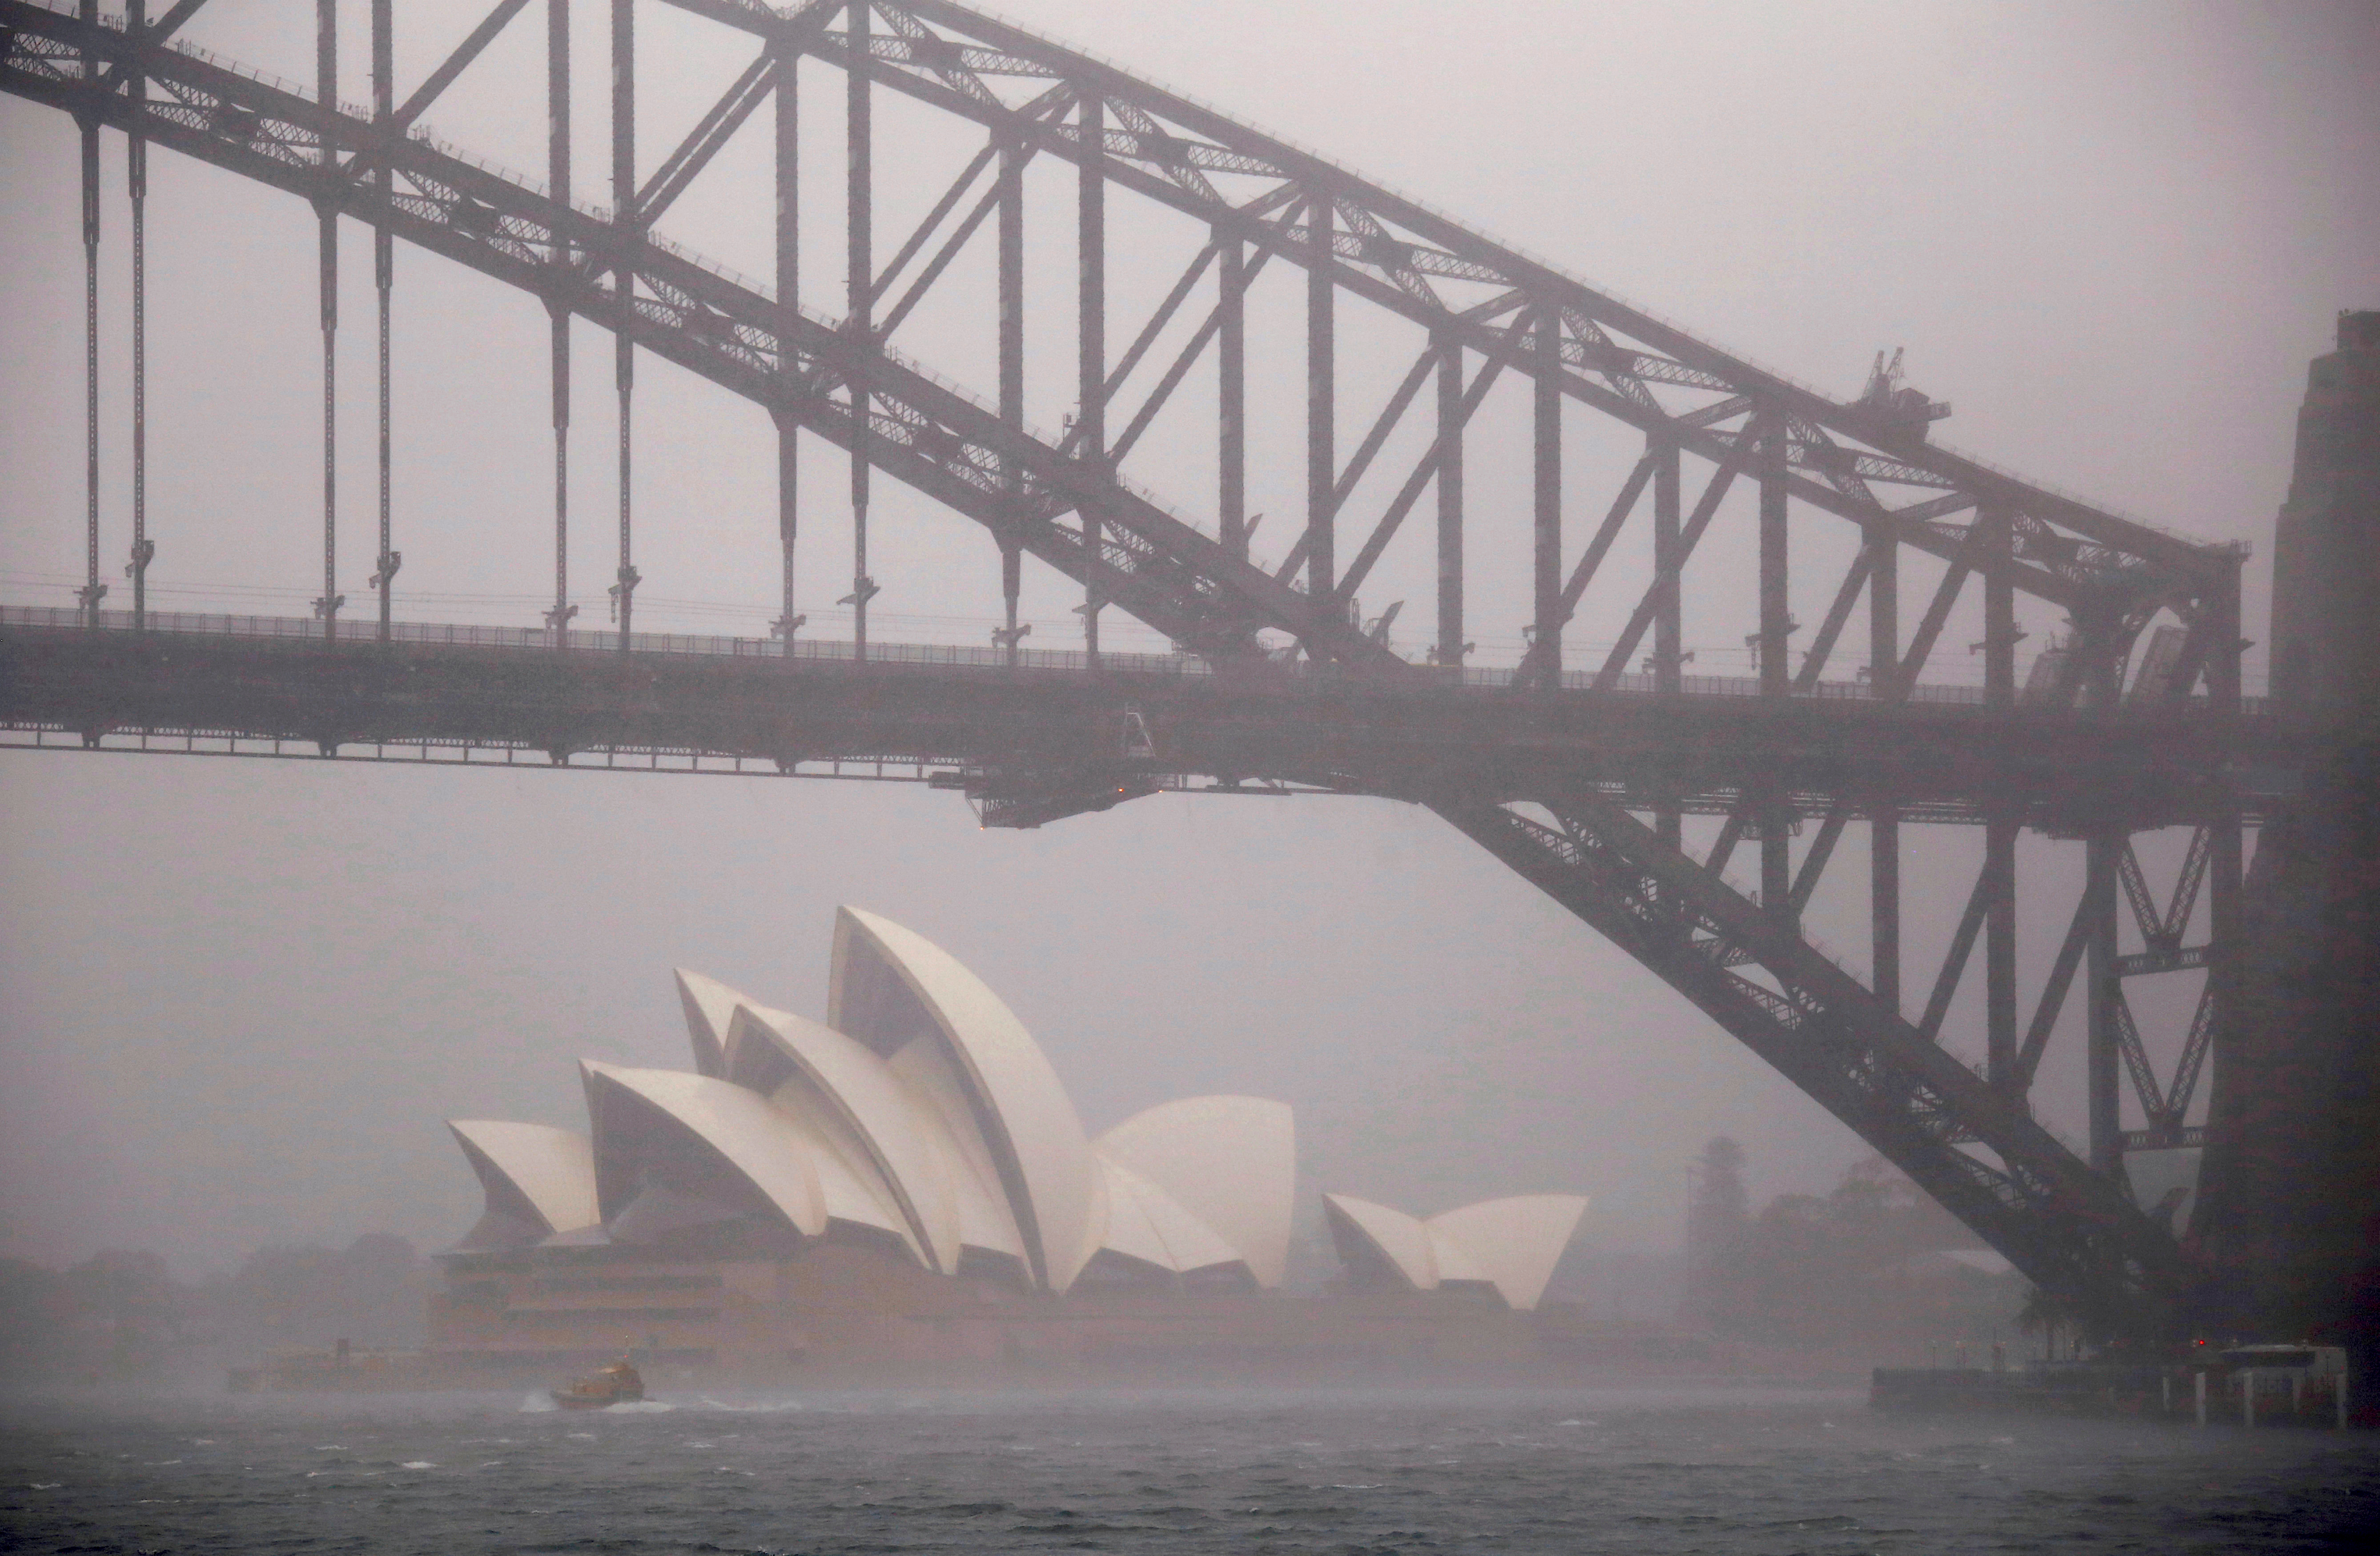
x,y
945,655
592,640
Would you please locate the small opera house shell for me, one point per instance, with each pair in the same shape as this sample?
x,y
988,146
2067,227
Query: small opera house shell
x,y
1507,1247
908,1181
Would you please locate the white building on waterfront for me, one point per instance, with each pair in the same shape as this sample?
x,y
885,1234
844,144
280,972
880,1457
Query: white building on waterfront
x,y
921,1119
920,1116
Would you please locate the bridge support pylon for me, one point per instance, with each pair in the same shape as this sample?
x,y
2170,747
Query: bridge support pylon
x,y
2286,1208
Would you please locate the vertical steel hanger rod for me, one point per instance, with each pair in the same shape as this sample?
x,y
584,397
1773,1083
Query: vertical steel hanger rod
x,y
383,46
1321,403
557,173
1668,614
1999,612
136,172
1451,417
1775,626
629,230
787,83
859,286
1999,950
2000,831
1011,379
1091,338
326,70
1884,813
2103,993
1548,484
92,590
1231,394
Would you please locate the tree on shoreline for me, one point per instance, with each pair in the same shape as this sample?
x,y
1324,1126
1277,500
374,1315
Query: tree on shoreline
x,y
1716,1211
1875,1260
122,1317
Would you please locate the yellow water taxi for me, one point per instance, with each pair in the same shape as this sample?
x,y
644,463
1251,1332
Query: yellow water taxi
x,y
617,1384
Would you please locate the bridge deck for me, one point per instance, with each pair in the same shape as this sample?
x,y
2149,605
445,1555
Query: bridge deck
x,y
950,655
272,686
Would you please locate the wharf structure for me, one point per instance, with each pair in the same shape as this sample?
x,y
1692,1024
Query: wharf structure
x,y
2245,1385
907,1185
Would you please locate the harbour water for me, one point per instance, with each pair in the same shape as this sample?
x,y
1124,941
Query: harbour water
x,y
1670,1470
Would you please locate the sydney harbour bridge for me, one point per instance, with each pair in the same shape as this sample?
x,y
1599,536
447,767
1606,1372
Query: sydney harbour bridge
x,y
1581,774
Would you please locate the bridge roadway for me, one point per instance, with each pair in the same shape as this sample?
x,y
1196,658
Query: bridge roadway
x,y
1061,737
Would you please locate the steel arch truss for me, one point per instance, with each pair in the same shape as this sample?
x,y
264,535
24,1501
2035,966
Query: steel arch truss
x,y
1469,291
1483,311
1471,295
923,431
2067,1227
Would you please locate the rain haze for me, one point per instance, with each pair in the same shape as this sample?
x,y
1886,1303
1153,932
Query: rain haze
x,y
239,997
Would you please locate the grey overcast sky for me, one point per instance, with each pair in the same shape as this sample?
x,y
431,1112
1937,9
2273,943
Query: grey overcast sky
x,y
238,997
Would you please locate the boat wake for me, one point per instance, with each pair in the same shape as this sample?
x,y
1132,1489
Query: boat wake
x,y
764,1409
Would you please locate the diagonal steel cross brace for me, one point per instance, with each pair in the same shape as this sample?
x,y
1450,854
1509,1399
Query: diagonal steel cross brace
x,y
1829,1034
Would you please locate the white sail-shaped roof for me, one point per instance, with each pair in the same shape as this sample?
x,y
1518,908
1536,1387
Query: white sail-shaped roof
x,y
1230,1162
931,1076
1035,1141
922,1111
1147,1225
1452,1261
538,1177
1513,1242
1375,1240
781,1055
852,1193
770,1149
1509,1245
708,1004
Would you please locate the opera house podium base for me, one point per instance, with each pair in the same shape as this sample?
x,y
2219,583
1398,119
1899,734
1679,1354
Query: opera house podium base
x,y
854,1316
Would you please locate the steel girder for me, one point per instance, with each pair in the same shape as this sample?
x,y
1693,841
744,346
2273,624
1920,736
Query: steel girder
x,y
1405,736
1469,293
2065,1226
921,429
1455,282
2111,573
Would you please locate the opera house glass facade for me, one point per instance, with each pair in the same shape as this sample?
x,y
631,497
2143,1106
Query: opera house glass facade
x,y
908,1183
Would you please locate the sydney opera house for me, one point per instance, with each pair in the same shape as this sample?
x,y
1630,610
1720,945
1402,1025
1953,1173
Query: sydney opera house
x,y
907,1183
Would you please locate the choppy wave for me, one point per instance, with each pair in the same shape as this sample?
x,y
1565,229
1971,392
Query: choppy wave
x,y
762,1408
1721,1472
